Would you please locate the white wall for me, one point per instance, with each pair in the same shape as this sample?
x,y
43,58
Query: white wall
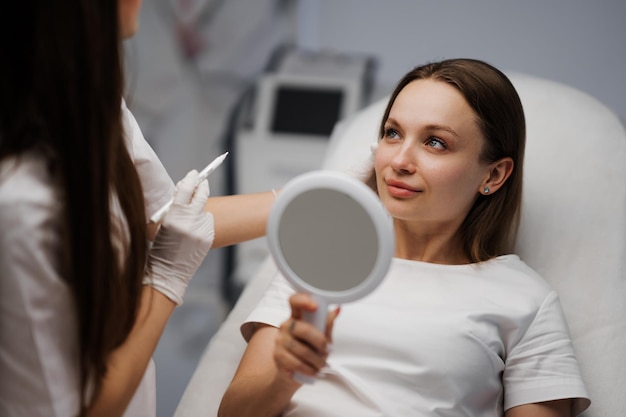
x,y
578,42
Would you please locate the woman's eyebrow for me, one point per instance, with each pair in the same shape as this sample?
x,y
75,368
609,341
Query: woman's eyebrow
x,y
391,121
430,127
448,129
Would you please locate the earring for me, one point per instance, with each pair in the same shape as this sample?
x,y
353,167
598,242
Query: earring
x,y
486,190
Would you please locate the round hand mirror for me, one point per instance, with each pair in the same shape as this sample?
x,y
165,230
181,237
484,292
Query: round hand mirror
x,y
331,237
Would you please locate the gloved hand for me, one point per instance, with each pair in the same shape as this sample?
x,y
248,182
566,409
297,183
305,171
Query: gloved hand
x,y
184,239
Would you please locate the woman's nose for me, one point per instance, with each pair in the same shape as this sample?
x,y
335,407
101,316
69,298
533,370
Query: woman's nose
x,y
404,160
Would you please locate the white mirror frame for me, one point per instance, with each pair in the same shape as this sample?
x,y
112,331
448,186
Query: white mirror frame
x,y
361,194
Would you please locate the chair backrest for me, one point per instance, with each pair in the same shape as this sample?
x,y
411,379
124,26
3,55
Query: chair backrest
x,y
573,232
573,228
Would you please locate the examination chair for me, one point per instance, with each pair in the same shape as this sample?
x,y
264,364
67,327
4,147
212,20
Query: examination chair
x,y
573,232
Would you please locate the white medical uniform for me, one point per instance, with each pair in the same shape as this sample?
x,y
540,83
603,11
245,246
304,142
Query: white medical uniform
x,y
39,371
440,340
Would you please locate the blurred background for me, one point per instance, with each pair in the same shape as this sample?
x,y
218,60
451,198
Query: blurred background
x,y
267,79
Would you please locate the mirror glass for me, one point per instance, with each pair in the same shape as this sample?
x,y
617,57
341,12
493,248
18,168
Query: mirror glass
x,y
330,236
328,240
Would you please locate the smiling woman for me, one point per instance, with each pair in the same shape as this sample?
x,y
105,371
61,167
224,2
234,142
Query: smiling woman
x,y
457,310
432,140
432,149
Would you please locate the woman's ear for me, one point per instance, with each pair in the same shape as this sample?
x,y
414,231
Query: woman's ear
x,y
499,172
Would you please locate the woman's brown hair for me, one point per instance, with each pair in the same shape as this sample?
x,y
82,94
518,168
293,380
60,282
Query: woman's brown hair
x,y
491,225
61,92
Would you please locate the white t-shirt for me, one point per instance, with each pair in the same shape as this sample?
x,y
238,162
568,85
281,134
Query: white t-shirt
x,y
440,340
38,328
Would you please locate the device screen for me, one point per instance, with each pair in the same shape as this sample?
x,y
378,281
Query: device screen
x,y
306,111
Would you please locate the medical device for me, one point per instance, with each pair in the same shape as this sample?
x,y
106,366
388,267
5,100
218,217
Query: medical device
x,y
294,110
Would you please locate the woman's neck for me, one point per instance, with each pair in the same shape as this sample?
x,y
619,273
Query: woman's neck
x,y
438,245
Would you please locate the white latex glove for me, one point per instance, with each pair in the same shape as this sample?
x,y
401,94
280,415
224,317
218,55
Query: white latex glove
x,y
183,240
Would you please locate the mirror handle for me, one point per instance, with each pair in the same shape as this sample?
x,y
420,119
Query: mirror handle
x,y
318,319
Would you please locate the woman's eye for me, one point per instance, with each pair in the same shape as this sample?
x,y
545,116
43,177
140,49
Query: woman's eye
x,y
390,133
436,143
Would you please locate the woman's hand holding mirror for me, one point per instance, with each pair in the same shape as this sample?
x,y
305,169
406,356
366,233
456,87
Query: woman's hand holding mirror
x,y
331,238
301,347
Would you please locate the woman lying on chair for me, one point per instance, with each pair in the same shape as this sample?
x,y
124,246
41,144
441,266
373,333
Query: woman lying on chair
x,y
460,326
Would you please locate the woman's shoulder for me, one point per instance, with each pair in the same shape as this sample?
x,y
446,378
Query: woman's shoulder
x,y
515,277
38,328
515,266
505,274
504,267
504,277
27,191
30,221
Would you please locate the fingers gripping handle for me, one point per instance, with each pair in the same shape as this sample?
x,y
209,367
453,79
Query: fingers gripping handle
x,y
318,319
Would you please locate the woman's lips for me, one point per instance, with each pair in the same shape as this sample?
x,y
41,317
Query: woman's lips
x,y
400,189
